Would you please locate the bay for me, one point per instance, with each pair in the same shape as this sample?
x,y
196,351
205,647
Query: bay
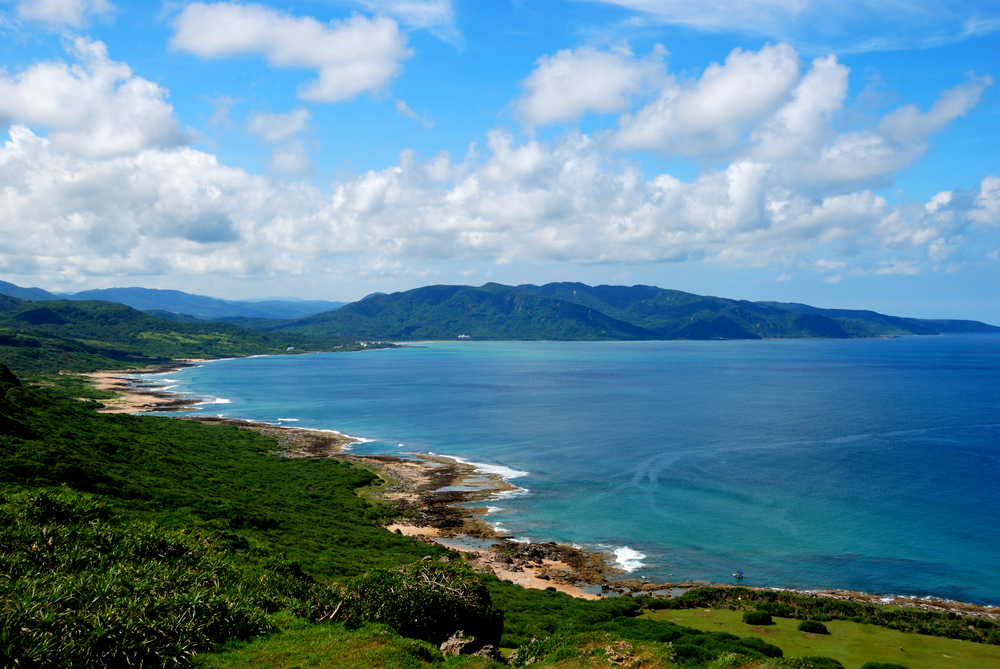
x,y
870,465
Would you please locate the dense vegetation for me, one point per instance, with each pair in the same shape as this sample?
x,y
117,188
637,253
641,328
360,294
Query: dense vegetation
x,y
184,474
47,337
573,311
82,587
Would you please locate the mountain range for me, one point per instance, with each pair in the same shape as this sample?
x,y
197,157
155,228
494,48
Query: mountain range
x,y
177,305
555,311
575,311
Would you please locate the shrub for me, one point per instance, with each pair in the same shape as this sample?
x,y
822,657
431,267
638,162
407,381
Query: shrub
x,y
425,600
777,609
757,618
813,627
80,587
819,662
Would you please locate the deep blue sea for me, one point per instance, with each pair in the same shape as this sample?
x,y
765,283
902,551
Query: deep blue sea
x,y
866,464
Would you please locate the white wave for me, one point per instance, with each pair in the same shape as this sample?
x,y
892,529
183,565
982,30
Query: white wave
x,y
521,540
494,509
628,559
162,388
513,492
222,400
401,446
503,472
288,420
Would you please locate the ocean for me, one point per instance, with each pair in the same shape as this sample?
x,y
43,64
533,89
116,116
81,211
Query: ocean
x,y
868,464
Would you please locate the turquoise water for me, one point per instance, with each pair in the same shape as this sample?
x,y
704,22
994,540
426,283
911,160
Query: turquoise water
x,y
869,465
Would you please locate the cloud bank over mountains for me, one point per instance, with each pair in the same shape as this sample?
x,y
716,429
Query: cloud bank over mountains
x,y
100,178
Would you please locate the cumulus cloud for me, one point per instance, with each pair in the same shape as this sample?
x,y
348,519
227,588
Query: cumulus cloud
x,y
761,106
180,211
565,86
713,110
95,107
845,25
62,12
986,209
353,56
83,200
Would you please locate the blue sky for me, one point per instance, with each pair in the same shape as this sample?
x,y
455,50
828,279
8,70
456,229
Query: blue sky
x,y
840,154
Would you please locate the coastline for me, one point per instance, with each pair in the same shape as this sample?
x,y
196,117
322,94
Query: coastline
x,y
434,492
137,396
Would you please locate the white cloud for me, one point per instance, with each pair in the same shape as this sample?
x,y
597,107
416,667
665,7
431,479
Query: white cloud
x,y
88,201
279,127
405,110
353,56
180,212
572,82
758,107
844,25
987,203
804,121
96,107
437,16
942,199
290,156
223,107
713,111
62,12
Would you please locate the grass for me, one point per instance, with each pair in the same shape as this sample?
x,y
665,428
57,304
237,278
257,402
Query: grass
x,y
851,643
333,645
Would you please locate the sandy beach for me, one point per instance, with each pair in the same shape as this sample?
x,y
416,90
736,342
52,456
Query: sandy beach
x,y
136,395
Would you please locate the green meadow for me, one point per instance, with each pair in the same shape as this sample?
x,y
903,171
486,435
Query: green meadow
x,y
853,644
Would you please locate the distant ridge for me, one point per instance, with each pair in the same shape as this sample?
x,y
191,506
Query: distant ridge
x,y
174,303
576,311
555,311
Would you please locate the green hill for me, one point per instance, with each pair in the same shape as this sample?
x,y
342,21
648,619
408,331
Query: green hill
x,y
81,336
445,312
178,302
575,311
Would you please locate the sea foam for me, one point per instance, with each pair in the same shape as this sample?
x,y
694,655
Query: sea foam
x,y
503,472
629,560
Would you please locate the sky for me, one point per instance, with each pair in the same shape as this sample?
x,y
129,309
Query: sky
x,y
843,154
